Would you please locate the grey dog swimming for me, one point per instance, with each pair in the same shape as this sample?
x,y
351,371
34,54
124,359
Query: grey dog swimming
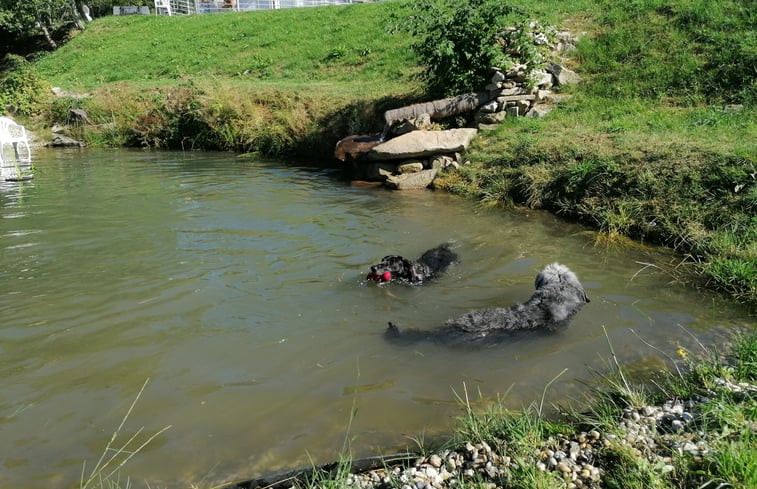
x,y
558,297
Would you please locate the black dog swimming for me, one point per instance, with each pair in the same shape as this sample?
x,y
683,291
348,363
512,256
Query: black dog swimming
x,y
558,297
432,263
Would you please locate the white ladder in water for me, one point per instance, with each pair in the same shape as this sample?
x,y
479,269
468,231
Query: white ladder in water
x,y
18,165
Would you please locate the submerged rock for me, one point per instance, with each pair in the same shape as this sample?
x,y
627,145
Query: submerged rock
x,y
411,181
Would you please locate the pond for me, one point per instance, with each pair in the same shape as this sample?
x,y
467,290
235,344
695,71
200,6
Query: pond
x,y
237,287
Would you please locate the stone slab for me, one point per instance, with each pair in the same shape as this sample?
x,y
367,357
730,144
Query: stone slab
x,y
423,143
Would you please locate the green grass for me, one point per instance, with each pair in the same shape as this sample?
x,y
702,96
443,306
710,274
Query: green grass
x,y
644,148
288,82
320,47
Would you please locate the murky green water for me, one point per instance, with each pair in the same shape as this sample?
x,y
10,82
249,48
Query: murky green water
x,y
237,288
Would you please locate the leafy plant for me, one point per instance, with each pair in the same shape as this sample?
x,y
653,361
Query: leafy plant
x,y
21,87
459,42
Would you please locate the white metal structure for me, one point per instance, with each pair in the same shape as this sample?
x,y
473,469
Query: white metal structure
x,y
13,136
165,5
186,7
214,6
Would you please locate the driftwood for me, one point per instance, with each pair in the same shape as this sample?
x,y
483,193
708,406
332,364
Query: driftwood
x,y
354,147
438,109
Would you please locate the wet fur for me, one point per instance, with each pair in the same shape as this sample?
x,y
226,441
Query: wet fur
x,y
430,265
558,297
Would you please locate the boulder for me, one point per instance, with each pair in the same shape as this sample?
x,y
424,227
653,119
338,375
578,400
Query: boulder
x,y
422,143
443,162
59,140
491,118
563,75
523,106
420,123
437,109
78,116
412,166
542,78
489,107
539,110
411,181
515,98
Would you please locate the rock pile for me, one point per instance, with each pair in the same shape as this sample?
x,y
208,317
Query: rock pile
x,y
408,154
518,92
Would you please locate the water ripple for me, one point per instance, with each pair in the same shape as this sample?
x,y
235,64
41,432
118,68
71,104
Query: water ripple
x,y
238,288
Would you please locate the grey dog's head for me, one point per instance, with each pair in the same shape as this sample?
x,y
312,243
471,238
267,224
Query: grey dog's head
x,y
564,290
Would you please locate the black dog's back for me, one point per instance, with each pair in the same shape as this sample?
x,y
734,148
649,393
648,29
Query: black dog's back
x,y
439,258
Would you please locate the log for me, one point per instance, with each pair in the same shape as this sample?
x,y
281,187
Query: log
x,y
438,109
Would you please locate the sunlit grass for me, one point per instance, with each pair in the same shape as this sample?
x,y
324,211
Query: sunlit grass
x,y
333,45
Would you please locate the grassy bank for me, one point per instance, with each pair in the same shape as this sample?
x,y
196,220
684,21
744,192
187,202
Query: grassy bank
x,y
644,148
288,82
692,427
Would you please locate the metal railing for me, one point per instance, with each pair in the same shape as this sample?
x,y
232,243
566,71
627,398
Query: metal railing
x,y
186,7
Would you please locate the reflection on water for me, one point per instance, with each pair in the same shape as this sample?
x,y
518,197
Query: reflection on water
x,y
237,287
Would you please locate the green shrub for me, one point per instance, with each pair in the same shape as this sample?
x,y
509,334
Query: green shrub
x,y
20,86
174,121
458,41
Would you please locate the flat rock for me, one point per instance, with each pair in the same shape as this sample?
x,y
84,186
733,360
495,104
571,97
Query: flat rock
x,y
59,140
423,143
539,110
563,75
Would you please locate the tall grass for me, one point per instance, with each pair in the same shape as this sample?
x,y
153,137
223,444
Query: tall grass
x,y
106,471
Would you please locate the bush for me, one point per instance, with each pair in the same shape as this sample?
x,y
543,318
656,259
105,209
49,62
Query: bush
x,y
458,42
21,89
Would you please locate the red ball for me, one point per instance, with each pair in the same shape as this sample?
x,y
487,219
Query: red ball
x,y
386,276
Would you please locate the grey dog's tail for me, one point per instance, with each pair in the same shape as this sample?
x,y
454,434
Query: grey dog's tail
x,y
406,336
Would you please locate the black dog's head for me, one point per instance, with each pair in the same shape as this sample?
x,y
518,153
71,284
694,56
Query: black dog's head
x,y
395,267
